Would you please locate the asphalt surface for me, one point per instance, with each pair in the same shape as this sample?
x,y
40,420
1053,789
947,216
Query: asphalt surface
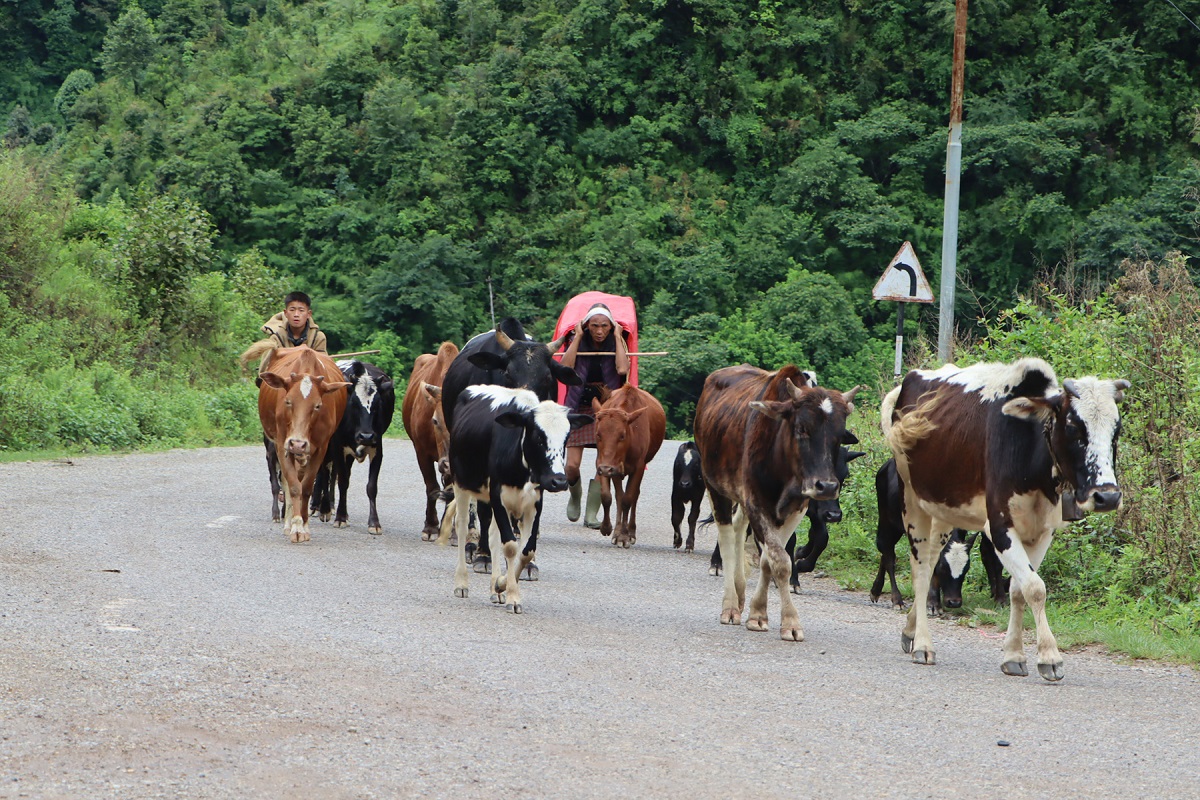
x,y
160,637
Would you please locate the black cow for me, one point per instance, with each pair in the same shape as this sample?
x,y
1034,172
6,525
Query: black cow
x,y
952,563
506,448
820,513
503,357
359,435
687,486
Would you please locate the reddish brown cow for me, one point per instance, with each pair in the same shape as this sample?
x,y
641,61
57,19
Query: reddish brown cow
x,y
422,417
767,447
630,427
300,404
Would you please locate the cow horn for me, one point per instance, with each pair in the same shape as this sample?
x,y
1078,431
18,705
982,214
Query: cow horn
x,y
1121,386
503,340
1070,388
557,343
849,396
795,391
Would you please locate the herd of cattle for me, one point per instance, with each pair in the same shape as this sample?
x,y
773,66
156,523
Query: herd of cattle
x,y
1000,448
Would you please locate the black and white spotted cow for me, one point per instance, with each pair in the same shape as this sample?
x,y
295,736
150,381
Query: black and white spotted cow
x,y
1004,449
369,409
687,486
506,448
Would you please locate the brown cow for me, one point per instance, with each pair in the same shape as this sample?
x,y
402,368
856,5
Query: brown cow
x,y
767,447
421,413
630,426
300,404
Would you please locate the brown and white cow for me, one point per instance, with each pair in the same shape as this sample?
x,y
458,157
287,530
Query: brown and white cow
x,y
630,427
300,404
421,412
767,446
1003,449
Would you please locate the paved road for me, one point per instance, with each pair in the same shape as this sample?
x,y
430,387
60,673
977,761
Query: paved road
x,y
159,637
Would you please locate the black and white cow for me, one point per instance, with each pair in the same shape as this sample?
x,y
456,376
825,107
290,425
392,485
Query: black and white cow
x,y
506,447
503,357
1003,449
687,486
952,564
359,436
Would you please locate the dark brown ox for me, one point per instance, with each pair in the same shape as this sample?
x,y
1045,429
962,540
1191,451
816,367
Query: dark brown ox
x,y
300,404
630,426
768,447
1004,449
422,415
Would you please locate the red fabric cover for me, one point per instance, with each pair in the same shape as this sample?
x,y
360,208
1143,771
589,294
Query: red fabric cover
x,y
623,312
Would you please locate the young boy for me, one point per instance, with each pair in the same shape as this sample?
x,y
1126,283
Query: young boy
x,y
294,325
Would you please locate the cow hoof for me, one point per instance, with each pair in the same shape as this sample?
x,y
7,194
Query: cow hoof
x,y
906,642
924,657
714,571
1015,668
731,616
791,634
530,573
498,599
325,518
341,523
429,534
276,519
482,565
796,588
1051,672
376,531
471,547
516,608
756,624
678,542
460,592
690,548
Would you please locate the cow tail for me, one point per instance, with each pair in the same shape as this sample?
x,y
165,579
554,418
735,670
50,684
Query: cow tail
x,y
912,425
256,350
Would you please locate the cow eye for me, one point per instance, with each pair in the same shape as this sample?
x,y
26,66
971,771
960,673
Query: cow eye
x,y
317,407
288,402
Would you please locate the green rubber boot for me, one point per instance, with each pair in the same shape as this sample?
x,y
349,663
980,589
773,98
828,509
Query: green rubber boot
x,y
592,518
573,490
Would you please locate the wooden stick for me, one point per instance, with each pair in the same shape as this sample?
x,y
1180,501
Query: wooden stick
x,y
659,353
359,353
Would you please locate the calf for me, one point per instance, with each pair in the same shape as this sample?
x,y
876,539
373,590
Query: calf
x,y
687,486
952,563
767,448
630,427
423,418
1003,449
506,448
300,402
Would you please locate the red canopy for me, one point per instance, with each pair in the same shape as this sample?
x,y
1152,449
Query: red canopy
x,y
623,312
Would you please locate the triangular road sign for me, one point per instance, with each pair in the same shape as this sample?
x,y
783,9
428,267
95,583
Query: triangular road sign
x,y
899,278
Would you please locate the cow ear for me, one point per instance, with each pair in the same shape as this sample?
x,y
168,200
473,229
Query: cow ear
x,y
511,419
564,375
578,420
273,380
327,387
1119,388
1033,409
432,393
388,385
849,438
774,410
632,415
853,454
596,405
486,360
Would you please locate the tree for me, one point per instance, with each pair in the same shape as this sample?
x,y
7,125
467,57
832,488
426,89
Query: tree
x,y
129,46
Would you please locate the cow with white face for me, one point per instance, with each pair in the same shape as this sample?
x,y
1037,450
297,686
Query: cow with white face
x,y
506,448
1003,449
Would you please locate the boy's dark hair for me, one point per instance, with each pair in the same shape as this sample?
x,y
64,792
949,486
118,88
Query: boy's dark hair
x,y
297,297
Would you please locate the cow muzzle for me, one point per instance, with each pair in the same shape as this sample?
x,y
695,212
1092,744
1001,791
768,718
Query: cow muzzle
x,y
832,515
555,483
952,601
824,490
1102,499
298,448
608,471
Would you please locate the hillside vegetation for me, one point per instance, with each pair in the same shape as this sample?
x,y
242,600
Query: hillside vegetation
x,y
743,170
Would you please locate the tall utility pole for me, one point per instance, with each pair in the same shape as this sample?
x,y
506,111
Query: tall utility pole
x,y
953,169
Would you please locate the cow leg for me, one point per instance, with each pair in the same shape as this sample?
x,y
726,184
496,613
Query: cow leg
x,y
606,493
529,569
345,464
507,585
273,474
431,529
690,545
482,561
376,463
621,533
633,490
991,564
461,512
1027,587
735,579
715,564
915,638
777,566
676,520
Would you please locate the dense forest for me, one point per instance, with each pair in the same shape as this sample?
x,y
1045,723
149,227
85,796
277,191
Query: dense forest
x,y
744,169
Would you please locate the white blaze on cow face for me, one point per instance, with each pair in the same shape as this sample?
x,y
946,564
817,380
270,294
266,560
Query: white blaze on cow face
x,y
552,419
687,457
306,386
365,391
827,406
1096,409
957,559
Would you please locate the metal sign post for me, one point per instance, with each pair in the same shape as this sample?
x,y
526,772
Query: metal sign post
x,y
903,282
